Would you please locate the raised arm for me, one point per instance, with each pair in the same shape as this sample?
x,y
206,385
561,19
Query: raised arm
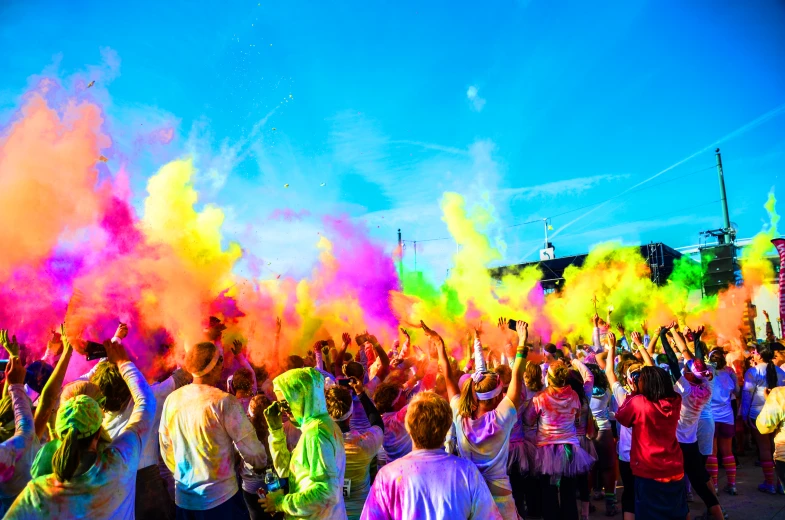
x,y
638,341
12,449
51,392
515,391
346,339
368,407
132,437
609,368
673,361
384,359
444,362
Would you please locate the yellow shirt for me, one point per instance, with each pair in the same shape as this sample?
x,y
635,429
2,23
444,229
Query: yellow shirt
x,y
771,419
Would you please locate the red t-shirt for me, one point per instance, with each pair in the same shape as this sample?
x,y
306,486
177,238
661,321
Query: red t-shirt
x,y
655,453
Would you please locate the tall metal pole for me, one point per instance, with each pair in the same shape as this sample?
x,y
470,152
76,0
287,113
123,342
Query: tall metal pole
x,y
400,260
545,221
723,197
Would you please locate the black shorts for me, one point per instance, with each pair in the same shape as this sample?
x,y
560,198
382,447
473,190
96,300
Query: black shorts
x,y
660,500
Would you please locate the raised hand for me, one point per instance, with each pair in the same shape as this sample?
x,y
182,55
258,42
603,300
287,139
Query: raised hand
x,y
237,347
122,331
523,332
766,315
620,328
278,325
11,346
478,330
15,371
645,327
611,340
272,415
637,338
596,320
699,331
346,339
115,352
405,333
64,337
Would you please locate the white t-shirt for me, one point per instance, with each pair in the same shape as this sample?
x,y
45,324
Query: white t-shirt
x,y
397,441
625,434
485,441
115,422
693,399
725,384
600,408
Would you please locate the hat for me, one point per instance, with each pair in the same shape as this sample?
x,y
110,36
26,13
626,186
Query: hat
x,y
80,413
38,373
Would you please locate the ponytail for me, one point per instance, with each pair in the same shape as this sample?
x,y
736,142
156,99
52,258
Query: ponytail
x,y
66,458
771,375
468,401
767,356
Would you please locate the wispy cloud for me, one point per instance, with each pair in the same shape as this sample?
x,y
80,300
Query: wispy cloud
x,y
473,95
559,188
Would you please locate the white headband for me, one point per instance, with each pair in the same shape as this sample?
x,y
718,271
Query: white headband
x,y
211,365
485,396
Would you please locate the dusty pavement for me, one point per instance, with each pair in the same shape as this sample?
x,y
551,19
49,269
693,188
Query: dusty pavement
x,y
749,504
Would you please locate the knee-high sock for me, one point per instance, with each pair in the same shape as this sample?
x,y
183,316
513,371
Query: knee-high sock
x,y
729,463
768,471
711,467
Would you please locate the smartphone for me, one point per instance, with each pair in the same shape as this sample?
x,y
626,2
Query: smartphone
x,y
94,350
344,382
512,324
324,343
3,364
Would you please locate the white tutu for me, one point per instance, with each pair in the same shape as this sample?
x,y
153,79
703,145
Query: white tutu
x,y
522,454
562,460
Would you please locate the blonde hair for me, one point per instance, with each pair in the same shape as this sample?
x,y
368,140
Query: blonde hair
x,y
428,419
557,374
468,401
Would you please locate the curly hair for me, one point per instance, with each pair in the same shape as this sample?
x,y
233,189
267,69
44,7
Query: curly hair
x,y
385,396
339,401
428,419
242,380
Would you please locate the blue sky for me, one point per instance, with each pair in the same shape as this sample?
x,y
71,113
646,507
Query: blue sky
x,y
532,109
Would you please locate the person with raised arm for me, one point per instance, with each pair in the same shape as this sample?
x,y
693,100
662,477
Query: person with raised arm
x,y
360,447
201,429
14,448
629,372
92,479
695,391
484,417
726,386
656,461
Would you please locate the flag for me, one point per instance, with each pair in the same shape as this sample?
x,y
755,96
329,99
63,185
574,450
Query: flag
x,y
779,243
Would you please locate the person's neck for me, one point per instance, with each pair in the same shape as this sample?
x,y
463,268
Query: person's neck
x,y
203,381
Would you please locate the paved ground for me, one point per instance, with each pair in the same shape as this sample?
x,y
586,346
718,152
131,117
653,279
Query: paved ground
x,y
749,504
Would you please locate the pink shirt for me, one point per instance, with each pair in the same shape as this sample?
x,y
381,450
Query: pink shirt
x,y
554,411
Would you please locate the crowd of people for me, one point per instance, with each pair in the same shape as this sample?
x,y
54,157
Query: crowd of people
x,y
514,429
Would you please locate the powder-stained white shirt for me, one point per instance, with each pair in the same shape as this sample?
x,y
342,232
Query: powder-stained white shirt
x,y
486,441
105,491
115,422
693,399
200,428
